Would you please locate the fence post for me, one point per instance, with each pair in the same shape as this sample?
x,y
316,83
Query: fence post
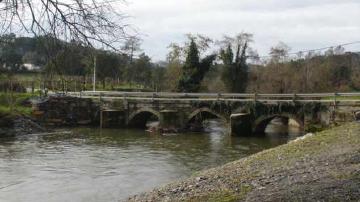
x,y
335,106
125,103
101,110
124,96
255,97
75,86
335,101
294,97
33,87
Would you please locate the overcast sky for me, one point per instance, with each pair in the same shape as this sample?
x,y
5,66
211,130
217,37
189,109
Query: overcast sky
x,y
304,24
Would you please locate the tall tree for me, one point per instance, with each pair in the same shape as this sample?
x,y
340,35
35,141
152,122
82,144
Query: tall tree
x,y
139,72
279,53
132,46
158,78
194,69
235,71
108,66
174,64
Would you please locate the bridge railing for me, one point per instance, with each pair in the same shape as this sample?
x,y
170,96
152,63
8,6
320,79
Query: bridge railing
x,y
301,97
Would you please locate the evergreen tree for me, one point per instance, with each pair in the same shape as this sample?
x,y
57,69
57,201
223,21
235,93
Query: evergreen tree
x,y
194,70
235,73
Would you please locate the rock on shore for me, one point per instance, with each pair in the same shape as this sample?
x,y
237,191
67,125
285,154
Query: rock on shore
x,y
322,167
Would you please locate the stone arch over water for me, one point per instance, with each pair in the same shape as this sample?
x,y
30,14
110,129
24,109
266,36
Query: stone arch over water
x,y
204,113
140,117
262,122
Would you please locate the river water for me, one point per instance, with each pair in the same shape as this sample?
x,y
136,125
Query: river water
x,y
88,164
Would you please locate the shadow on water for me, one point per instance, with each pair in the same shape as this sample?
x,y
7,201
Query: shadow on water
x,y
90,164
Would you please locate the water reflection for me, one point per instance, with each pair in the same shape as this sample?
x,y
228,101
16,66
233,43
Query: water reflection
x,y
89,164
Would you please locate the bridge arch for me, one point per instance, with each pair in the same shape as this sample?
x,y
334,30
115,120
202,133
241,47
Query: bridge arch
x,y
208,113
262,122
140,117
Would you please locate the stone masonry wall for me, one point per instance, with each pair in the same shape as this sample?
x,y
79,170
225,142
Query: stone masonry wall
x,y
65,111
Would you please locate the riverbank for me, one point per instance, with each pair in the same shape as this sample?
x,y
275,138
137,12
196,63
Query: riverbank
x,y
17,124
320,167
15,115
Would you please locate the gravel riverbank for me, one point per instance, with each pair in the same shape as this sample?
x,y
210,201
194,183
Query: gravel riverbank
x,y
320,167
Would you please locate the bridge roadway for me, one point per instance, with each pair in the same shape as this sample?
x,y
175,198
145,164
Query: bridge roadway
x,y
244,113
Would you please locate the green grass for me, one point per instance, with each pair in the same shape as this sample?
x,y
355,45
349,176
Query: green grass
x,y
17,110
217,196
14,104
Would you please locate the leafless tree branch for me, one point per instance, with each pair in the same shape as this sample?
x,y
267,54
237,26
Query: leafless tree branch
x,y
95,23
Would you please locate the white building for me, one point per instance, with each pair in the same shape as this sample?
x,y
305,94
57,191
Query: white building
x,y
31,67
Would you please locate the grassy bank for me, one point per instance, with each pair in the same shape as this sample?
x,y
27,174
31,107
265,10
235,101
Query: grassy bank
x,y
15,111
15,103
321,167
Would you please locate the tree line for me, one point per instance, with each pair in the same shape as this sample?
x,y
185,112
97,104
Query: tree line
x,y
201,64
69,61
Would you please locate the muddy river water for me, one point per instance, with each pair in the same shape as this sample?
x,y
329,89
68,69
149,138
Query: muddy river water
x,y
89,164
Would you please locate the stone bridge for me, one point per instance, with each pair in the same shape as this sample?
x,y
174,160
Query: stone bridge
x,y
243,113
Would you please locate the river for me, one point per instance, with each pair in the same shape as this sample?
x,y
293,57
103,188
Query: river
x,y
89,164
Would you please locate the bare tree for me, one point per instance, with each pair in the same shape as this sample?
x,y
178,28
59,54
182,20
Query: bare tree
x,y
177,52
132,46
280,52
238,42
89,22
339,50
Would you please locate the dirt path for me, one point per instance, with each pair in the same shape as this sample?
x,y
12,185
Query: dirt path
x,y
321,167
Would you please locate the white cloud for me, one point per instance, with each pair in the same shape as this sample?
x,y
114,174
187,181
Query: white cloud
x,y
302,24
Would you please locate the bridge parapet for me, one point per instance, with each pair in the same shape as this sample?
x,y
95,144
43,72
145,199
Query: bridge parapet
x,y
235,97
